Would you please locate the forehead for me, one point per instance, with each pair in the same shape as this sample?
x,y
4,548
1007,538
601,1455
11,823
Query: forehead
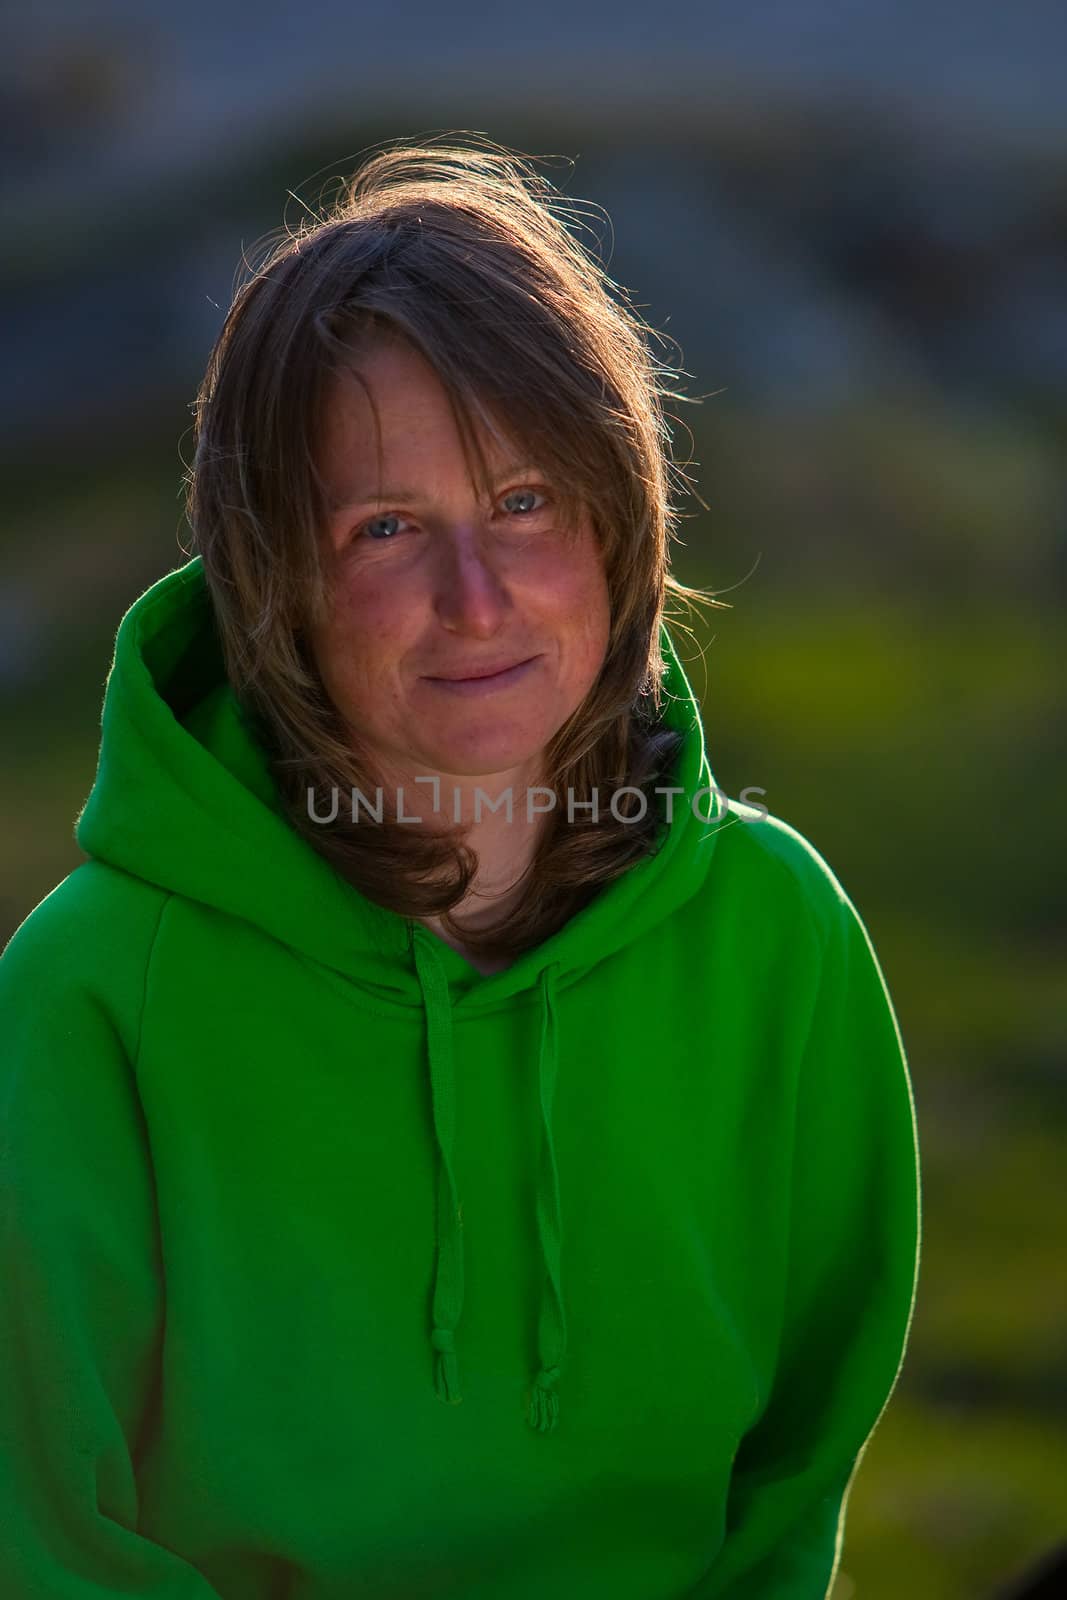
x,y
391,410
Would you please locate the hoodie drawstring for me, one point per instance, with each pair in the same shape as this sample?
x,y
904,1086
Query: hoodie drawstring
x,y
552,1323
448,1284
543,1411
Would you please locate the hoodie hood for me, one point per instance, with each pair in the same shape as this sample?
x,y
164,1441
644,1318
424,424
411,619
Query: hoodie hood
x,y
184,799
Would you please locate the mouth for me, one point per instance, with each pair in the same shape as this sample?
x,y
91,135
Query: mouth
x,y
492,678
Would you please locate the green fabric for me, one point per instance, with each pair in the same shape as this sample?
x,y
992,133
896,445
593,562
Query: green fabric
x,y
334,1268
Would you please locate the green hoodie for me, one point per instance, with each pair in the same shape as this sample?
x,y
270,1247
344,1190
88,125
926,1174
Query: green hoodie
x,y
334,1268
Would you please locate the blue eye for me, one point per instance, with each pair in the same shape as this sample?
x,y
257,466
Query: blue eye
x,y
514,494
388,517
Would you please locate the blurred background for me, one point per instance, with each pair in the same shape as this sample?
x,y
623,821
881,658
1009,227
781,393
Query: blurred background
x,y
853,220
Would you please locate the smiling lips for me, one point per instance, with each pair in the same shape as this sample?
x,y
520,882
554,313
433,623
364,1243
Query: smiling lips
x,y
482,680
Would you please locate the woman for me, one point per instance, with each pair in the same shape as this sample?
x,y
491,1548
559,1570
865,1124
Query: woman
x,y
334,1090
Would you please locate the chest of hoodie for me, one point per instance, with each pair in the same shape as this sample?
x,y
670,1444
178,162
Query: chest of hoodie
x,y
289,1116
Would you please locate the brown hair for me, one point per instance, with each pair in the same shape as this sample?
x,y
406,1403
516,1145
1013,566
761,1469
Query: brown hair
x,y
465,252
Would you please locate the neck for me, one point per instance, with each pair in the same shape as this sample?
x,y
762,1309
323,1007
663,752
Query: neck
x,y
504,841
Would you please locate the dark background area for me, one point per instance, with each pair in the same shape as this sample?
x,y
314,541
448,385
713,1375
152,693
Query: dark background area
x,y
853,220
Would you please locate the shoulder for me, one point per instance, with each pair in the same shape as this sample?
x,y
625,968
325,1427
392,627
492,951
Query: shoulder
x,y
765,857
85,946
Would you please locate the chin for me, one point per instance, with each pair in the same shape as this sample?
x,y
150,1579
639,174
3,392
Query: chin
x,y
482,768
473,758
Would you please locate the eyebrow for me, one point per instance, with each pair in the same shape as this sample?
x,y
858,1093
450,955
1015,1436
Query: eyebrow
x,y
410,496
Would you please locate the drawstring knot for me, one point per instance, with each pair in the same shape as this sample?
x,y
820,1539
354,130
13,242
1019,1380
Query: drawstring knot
x,y
446,1367
544,1401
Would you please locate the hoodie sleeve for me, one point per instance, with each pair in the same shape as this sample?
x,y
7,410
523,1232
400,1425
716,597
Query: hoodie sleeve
x,y
81,1308
852,1273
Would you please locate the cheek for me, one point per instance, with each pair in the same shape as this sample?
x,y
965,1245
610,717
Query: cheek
x,y
588,605
368,624
572,583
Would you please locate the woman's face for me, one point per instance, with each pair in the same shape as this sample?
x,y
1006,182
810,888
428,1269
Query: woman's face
x,y
430,584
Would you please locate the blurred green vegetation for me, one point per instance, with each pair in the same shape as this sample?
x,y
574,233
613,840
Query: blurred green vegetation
x,y
890,673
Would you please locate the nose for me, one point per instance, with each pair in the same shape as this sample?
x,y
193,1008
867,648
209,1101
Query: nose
x,y
471,595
